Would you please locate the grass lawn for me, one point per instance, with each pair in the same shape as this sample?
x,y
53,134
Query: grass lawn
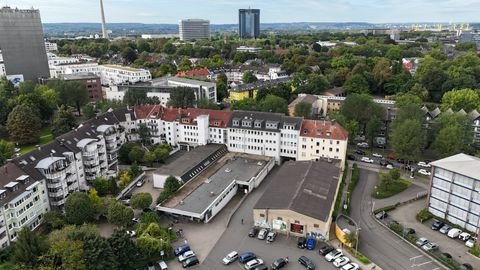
x,y
45,137
384,191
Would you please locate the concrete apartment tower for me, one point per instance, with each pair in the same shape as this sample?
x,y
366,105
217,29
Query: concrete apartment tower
x,y
249,23
194,29
104,24
22,44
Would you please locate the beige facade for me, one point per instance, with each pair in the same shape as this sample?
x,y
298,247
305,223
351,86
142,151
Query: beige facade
x,y
315,148
291,223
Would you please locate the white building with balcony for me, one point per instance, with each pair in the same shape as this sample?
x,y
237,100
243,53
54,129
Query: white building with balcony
x,y
23,200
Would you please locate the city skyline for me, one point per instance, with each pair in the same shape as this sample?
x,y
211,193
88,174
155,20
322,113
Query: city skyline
x,y
226,11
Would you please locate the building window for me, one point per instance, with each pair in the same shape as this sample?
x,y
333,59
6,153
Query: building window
x,y
279,218
316,226
262,215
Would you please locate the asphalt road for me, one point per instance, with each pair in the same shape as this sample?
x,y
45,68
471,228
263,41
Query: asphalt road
x,y
380,245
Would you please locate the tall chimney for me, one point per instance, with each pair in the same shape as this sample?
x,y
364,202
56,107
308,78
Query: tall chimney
x,y
104,24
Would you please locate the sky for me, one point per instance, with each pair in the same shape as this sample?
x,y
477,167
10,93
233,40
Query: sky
x,y
226,11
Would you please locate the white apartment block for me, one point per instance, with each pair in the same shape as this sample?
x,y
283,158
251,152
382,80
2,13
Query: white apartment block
x,y
109,74
51,46
2,66
455,190
23,200
190,29
54,60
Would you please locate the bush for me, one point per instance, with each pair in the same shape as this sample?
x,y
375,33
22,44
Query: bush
x,y
351,186
338,200
358,255
475,251
386,208
164,195
423,215
389,187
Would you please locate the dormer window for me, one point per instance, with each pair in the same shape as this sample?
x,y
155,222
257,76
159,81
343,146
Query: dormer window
x,y
185,120
258,123
216,123
3,194
236,123
246,123
305,131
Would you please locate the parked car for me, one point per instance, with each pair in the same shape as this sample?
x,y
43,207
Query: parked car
x,y
470,242
302,242
325,249
311,243
444,229
360,152
362,144
180,250
262,234
351,266
261,267
125,201
351,157
437,225
253,263
333,255
366,159
253,232
389,166
279,263
135,220
231,257
246,256
454,233
306,262
430,246
131,233
423,164
341,261
466,266
162,265
424,172
408,231
140,183
271,236
186,255
377,155
421,241
464,236
381,215
150,266
190,262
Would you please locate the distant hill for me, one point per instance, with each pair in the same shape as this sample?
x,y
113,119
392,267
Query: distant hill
x,y
70,29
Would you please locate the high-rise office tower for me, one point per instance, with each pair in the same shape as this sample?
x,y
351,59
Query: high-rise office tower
x,y
249,23
104,24
22,43
194,29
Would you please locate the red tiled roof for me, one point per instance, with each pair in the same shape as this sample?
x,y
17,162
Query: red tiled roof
x,y
323,129
149,112
280,51
216,118
194,72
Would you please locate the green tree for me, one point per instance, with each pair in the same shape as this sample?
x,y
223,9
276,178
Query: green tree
x,y
23,125
54,220
136,154
28,247
395,174
356,84
112,186
100,184
64,253
185,64
64,121
78,208
171,184
272,103
382,73
7,149
222,88
149,158
466,99
144,133
314,84
129,54
249,77
98,254
124,249
124,151
182,97
351,239
119,214
408,139
135,96
161,154
96,201
150,217
303,109
360,107
407,99
141,200
373,127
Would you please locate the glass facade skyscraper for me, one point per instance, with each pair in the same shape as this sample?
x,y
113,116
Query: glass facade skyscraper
x,y
249,23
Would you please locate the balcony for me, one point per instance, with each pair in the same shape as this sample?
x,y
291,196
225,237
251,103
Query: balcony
x,y
59,202
111,137
90,162
57,176
58,193
92,170
90,154
54,184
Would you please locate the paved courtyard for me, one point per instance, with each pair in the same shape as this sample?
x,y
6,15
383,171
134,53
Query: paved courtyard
x,y
405,215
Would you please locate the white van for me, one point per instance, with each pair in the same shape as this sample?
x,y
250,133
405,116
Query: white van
x,y
454,233
163,265
464,236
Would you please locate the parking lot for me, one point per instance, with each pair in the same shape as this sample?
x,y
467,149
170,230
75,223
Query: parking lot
x,y
405,215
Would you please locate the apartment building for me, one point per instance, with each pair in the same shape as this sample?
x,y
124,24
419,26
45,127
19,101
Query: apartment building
x,y
322,139
194,29
454,192
23,201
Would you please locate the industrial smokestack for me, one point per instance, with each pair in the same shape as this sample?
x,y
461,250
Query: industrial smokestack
x,y
104,24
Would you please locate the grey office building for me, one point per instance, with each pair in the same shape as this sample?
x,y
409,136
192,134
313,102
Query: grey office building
x,y
194,29
22,43
249,23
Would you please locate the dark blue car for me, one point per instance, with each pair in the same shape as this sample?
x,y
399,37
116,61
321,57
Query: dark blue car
x,y
247,256
311,243
182,249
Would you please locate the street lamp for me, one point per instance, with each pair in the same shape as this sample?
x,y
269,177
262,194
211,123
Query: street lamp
x,y
356,242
